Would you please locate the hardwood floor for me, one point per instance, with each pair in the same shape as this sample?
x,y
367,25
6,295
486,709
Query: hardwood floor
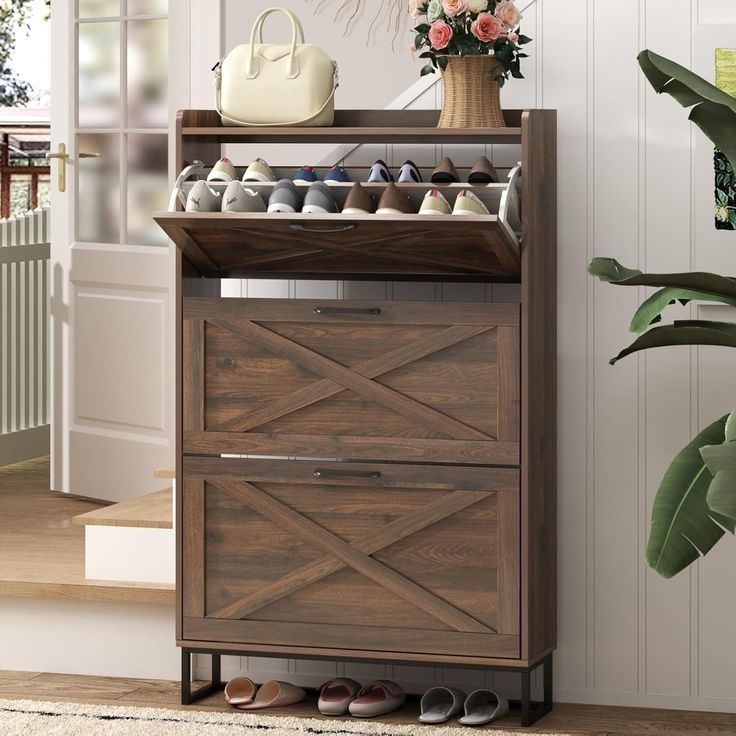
x,y
577,720
42,551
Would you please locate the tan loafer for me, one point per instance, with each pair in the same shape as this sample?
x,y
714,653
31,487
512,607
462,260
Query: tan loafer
x,y
445,172
394,202
483,172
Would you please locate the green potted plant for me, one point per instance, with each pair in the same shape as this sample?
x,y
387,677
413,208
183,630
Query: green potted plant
x,y
477,46
696,501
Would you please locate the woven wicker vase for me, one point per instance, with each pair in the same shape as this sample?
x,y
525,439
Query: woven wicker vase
x,y
471,96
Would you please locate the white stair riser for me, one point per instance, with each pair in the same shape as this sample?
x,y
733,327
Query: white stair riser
x,y
131,554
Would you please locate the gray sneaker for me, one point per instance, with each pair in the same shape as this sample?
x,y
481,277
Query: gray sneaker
x,y
238,198
285,197
319,200
202,199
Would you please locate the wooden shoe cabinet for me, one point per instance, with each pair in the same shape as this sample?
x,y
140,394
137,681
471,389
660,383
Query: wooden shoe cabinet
x,y
422,529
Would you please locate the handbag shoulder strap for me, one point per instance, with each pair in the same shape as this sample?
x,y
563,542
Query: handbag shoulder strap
x,y
238,121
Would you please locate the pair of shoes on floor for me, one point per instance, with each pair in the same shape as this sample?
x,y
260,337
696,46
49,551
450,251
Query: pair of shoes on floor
x,y
380,174
439,704
342,695
242,693
482,172
336,175
466,203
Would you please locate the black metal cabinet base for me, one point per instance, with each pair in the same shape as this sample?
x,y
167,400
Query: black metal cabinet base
x,y
531,711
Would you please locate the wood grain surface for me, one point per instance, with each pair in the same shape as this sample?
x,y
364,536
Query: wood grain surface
x,y
42,550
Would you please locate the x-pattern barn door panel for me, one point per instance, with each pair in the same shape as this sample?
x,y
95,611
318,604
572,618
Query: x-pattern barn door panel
x,y
358,380
345,556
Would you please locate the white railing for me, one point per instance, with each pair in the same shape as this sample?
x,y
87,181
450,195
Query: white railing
x,y
24,336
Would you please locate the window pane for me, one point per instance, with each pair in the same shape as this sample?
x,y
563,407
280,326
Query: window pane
x,y
44,191
99,74
147,187
147,73
98,8
148,7
20,195
98,188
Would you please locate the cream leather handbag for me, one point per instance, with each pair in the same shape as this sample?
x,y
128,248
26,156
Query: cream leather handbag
x,y
276,84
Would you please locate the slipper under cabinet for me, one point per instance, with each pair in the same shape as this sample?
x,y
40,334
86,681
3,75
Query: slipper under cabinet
x,y
370,480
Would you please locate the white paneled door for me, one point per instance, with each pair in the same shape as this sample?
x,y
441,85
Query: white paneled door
x,y
111,269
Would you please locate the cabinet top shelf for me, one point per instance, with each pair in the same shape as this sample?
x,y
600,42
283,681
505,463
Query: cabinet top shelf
x,y
354,126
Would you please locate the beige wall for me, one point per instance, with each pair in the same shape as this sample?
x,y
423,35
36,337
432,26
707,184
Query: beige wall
x,y
636,183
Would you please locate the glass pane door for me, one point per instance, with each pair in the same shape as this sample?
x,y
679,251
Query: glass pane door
x,y
122,67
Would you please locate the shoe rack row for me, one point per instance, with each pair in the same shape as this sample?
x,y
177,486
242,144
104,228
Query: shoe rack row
x,y
308,190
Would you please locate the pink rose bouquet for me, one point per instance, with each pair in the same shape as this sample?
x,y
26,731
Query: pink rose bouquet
x,y
469,27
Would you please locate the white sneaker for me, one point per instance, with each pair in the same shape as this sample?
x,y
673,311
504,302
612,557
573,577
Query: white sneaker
x,y
223,170
468,203
238,198
202,199
259,170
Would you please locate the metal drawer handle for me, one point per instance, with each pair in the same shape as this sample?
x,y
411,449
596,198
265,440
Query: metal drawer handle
x,y
346,310
339,229
329,473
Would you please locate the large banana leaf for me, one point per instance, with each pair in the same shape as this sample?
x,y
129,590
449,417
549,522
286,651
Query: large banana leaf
x,y
683,332
714,111
683,526
611,271
651,309
721,462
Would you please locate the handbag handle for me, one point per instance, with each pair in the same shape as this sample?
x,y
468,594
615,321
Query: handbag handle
x,y
289,12
257,32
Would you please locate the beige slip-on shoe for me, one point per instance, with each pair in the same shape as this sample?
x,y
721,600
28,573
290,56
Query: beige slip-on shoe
x,y
434,203
468,203
223,170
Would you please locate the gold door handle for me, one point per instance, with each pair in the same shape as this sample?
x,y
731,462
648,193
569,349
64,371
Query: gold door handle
x,y
62,156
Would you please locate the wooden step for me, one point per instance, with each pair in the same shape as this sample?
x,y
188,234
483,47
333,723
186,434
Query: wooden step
x,y
153,511
42,553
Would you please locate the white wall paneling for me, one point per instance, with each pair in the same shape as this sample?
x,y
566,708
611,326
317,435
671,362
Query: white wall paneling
x,y
89,638
716,11
635,182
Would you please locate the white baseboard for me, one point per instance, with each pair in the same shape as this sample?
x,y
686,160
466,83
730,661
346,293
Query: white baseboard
x,y
128,553
646,700
89,638
26,444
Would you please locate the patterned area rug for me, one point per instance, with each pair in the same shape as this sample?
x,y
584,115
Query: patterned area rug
x,y
36,718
